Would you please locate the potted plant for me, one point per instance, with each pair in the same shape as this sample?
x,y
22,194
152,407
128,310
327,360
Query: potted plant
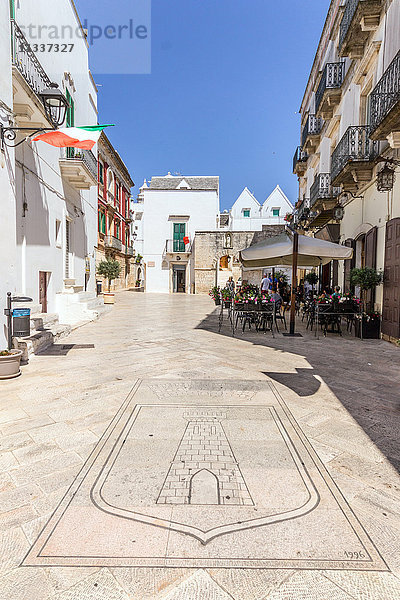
x,y
138,282
369,323
10,361
138,259
226,295
215,294
110,269
312,278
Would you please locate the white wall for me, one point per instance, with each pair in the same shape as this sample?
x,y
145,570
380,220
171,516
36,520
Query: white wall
x,y
7,196
277,199
202,207
259,214
49,196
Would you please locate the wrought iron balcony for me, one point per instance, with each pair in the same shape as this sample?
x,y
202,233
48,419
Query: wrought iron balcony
x,y
312,128
328,93
300,161
24,59
304,210
112,242
322,189
385,102
359,18
177,247
79,167
354,154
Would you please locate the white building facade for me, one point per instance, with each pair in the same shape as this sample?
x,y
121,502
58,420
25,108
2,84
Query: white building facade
x,y
247,214
350,129
48,196
169,211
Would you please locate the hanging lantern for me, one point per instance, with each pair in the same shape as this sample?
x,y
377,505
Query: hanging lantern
x,y
55,104
338,213
385,179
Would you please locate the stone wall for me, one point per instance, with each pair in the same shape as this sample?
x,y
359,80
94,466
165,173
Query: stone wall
x,y
211,246
127,276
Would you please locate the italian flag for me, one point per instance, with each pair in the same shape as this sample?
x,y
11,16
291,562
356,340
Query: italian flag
x,y
72,137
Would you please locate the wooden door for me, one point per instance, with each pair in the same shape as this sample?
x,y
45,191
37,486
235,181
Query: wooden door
x,y
391,286
43,290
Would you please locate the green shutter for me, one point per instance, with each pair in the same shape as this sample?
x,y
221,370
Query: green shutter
x,y
179,234
12,9
70,122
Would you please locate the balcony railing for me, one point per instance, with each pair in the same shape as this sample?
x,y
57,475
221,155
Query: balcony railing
x,y
386,93
332,78
304,210
112,242
313,126
368,8
322,188
176,247
86,156
299,157
349,12
355,146
130,251
24,59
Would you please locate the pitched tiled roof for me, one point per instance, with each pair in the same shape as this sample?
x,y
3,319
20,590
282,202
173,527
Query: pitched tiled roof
x,y
172,182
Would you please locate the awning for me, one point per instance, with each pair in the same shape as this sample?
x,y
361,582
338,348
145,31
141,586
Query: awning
x,y
278,251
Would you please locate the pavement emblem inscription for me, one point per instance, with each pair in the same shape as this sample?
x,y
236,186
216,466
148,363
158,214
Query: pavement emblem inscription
x,y
204,474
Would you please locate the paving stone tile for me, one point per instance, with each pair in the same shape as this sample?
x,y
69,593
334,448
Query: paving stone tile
x,y
147,583
99,586
15,441
40,469
199,586
16,517
7,461
26,584
249,584
374,586
13,547
18,497
307,585
37,452
25,424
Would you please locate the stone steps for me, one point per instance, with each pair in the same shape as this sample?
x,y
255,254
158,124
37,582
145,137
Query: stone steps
x,y
40,321
41,339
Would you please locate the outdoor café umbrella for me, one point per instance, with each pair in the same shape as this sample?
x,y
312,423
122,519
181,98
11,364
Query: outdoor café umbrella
x,y
292,248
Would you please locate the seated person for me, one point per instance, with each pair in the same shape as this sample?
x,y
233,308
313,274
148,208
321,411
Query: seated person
x,y
276,297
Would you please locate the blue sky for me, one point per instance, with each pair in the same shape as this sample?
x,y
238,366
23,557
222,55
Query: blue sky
x,y
226,82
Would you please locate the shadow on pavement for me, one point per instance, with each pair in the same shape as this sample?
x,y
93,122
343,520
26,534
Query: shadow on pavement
x,y
363,374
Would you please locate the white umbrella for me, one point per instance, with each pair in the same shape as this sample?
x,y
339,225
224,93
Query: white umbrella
x,y
291,248
278,251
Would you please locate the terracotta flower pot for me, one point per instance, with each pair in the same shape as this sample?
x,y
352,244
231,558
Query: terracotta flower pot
x,y
109,298
10,365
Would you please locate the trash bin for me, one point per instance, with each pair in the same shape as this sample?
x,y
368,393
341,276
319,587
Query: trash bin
x,y
99,286
21,322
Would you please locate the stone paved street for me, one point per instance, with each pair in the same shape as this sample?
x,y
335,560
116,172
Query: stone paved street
x,y
148,456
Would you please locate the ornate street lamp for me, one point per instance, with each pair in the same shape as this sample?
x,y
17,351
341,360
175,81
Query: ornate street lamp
x,y
385,179
55,105
338,213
